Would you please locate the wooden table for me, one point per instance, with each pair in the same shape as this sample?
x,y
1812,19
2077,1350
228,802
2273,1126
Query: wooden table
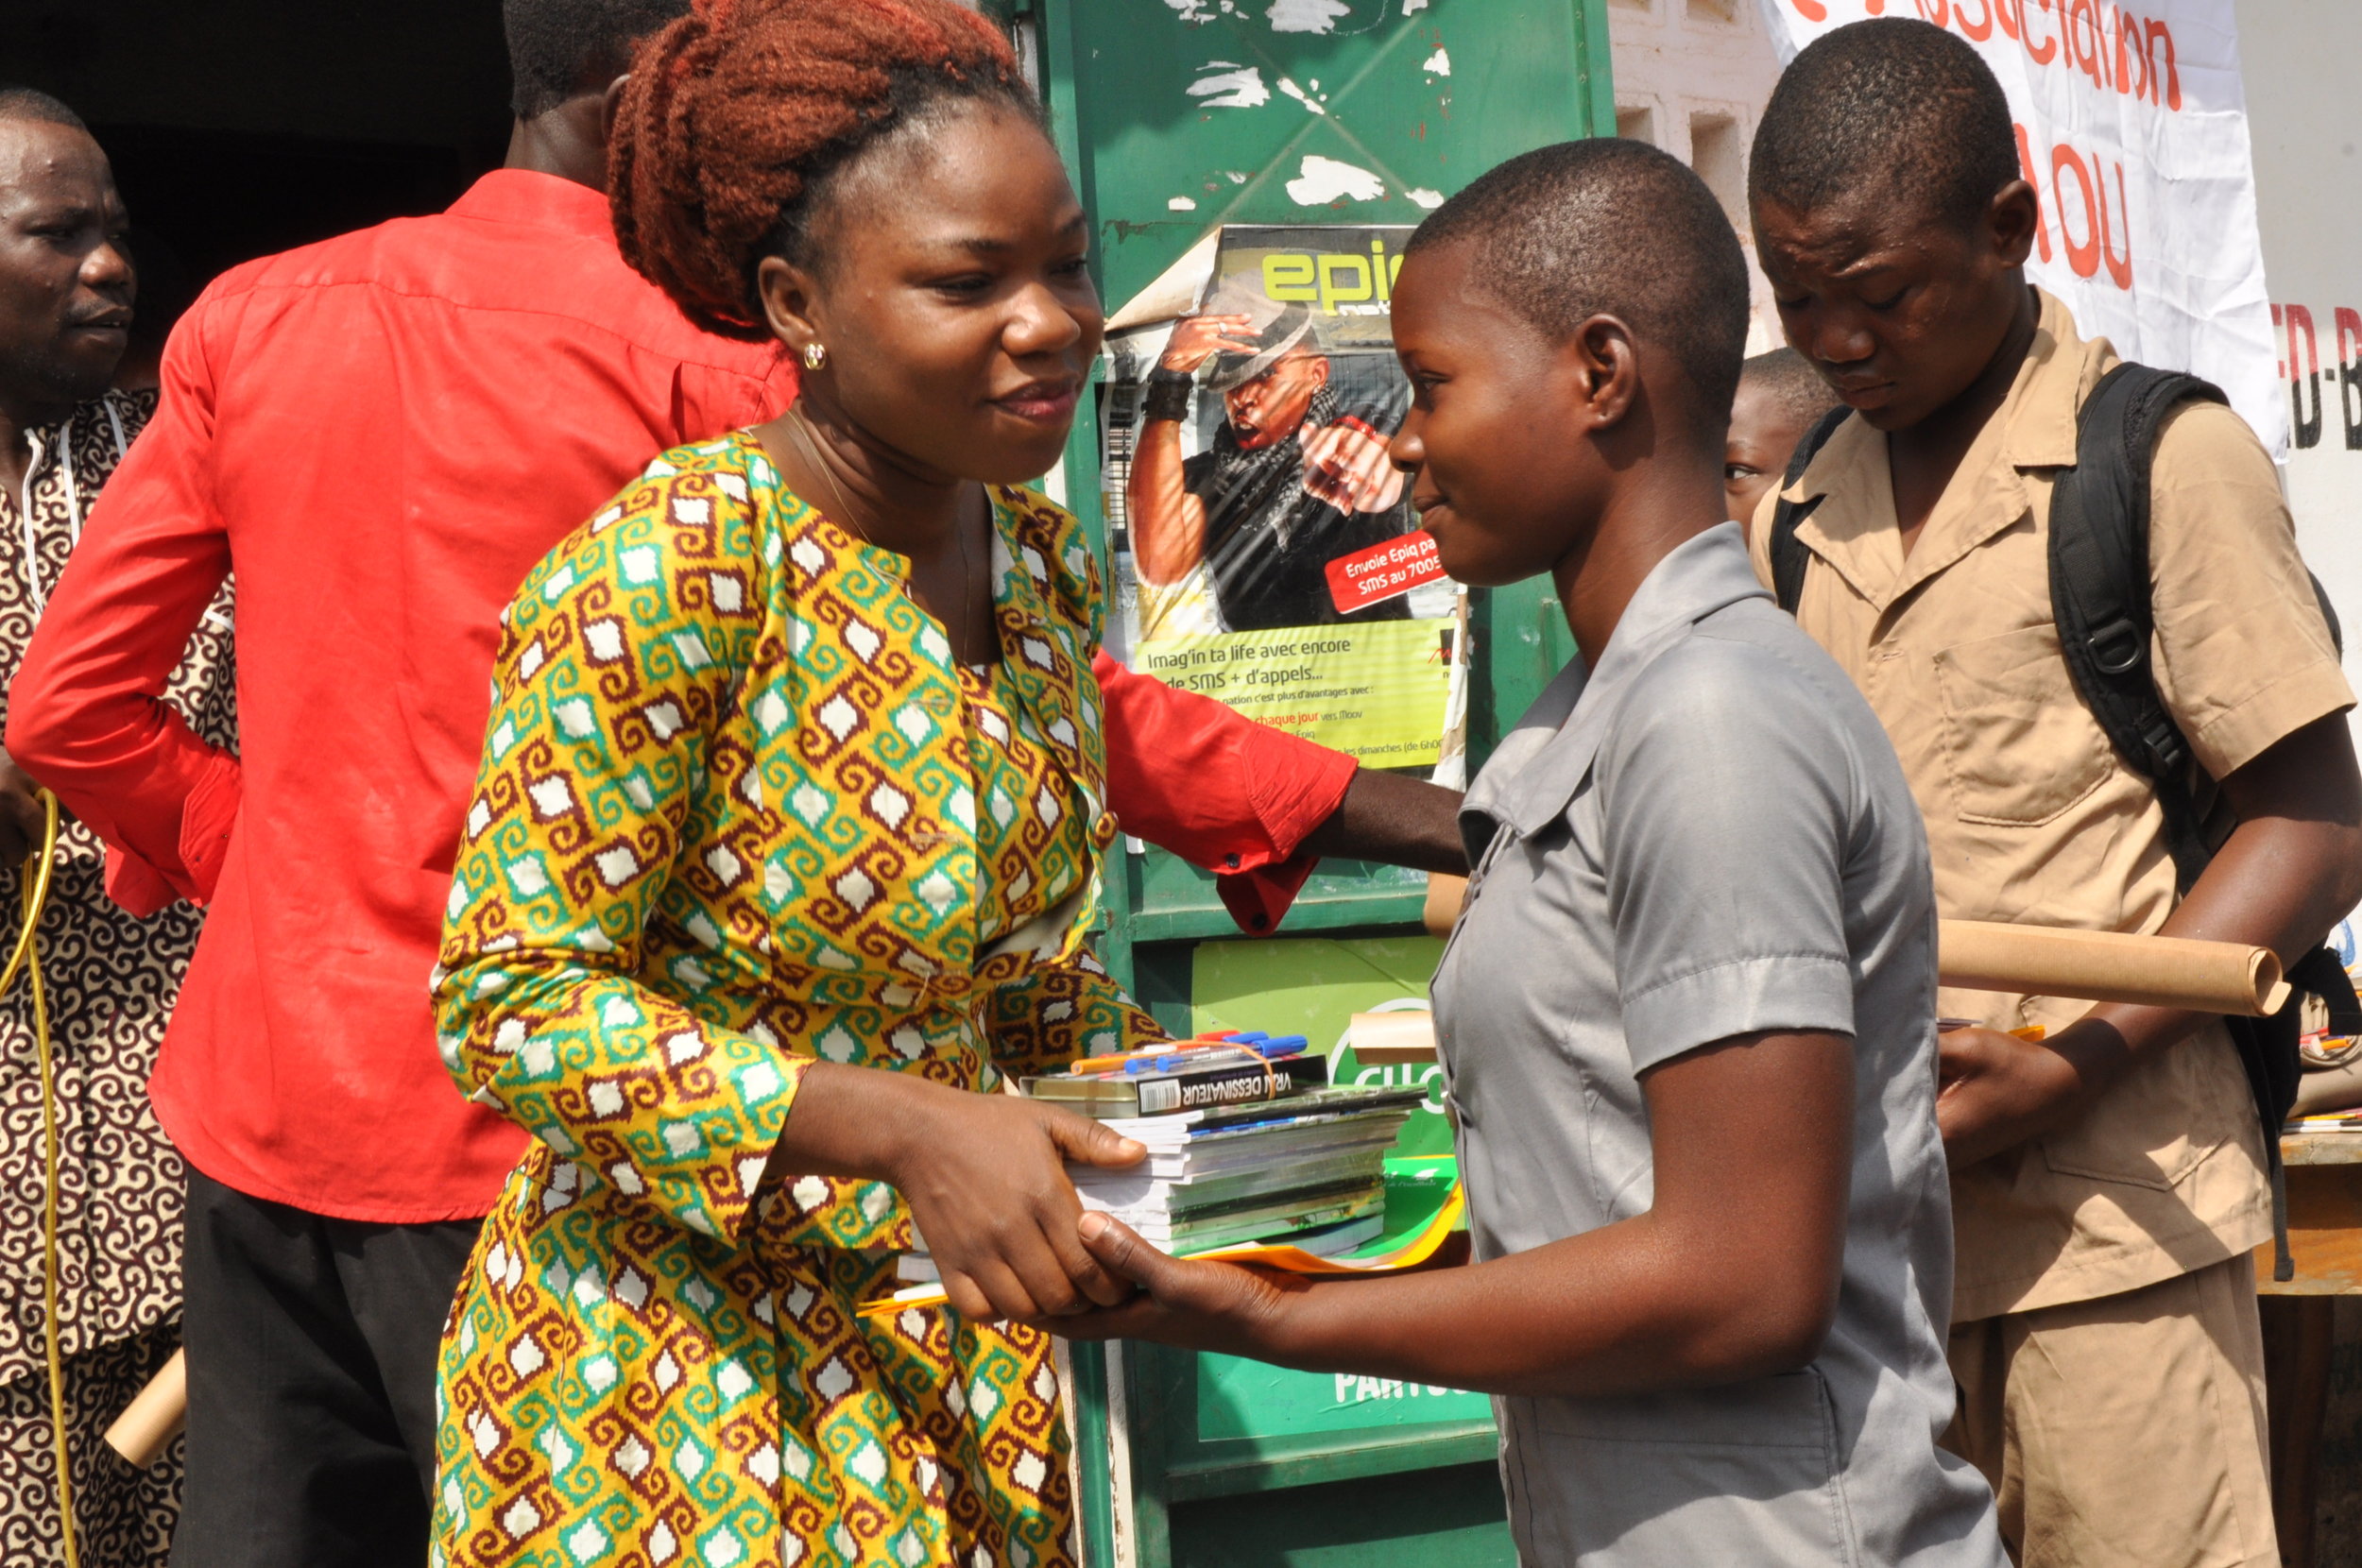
x,y
2324,1217
2325,1173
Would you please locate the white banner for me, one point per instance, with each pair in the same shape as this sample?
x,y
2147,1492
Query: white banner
x,y
2132,127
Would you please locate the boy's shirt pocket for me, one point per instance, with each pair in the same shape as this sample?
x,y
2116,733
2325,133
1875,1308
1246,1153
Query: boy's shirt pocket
x,y
2019,746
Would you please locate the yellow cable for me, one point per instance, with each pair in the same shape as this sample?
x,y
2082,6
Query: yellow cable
x,y
36,898
36,888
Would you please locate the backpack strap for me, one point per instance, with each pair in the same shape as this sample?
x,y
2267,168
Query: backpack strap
x,y
2100,590
2100,597
1788,551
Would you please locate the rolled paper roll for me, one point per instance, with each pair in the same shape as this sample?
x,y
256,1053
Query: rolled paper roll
x,y
154,1415
1391,1039
1445,894
2106,966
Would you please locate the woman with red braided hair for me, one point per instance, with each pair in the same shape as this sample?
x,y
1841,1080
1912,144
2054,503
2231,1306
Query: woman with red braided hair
x,y
783,850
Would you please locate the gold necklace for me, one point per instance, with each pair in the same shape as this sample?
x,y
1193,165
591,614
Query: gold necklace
x,y
810,440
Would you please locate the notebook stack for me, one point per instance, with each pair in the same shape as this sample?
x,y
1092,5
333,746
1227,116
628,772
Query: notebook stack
x,y
1247,1140
1308,1168
1235,1067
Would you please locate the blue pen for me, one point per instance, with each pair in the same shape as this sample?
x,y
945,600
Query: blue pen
x,y
1224,1056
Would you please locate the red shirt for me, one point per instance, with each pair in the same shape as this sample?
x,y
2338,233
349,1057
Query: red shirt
x,y
381,434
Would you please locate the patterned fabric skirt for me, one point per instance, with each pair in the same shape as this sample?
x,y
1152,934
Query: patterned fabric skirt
x,y
920,1441
123,1517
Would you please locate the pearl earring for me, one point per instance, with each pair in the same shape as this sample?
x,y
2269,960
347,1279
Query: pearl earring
x,y
815,355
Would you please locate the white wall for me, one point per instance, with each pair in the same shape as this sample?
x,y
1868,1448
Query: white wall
x,y
2297,58
1692,76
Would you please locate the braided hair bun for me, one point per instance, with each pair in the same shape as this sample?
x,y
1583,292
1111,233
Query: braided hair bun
x,y
737,113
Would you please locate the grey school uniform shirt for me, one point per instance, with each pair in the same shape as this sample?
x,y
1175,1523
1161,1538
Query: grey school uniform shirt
x,y
1707,836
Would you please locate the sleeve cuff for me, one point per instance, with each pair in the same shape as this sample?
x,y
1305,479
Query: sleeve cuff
x,y
714,1189
1782,991
1297,785
1259,899
1194,777
699,1159
137,887
2233,740
205,822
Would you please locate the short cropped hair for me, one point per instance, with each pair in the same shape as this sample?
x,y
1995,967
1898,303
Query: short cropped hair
x,y
556,46
1794,387
1894,106
1609,227
31,103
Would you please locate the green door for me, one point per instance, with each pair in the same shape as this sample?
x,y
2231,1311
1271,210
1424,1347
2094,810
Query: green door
x,y
1178,116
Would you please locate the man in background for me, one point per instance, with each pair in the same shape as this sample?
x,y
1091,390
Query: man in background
x,y
66,313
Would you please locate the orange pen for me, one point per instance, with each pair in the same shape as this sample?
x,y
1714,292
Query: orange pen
x,y
1117,1062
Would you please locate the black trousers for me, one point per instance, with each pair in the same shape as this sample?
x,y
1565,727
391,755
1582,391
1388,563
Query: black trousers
x,y
311,1346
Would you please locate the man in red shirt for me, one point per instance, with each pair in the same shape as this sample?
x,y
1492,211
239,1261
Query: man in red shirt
x,y
379,436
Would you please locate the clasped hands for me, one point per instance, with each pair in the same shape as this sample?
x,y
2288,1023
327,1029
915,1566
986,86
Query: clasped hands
x,y
985,1176
1997,1091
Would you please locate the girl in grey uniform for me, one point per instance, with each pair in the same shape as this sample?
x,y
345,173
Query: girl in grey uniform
x,y
1688,1017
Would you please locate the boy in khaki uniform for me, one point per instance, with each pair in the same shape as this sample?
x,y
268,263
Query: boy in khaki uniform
x,y
2108,1182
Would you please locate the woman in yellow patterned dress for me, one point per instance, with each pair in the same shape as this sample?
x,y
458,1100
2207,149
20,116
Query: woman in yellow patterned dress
x,y
783,852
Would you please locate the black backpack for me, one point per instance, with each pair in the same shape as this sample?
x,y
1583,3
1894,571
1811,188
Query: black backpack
x,y
2100,599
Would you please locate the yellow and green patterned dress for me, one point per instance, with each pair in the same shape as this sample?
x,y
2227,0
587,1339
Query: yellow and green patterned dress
x,y
740,810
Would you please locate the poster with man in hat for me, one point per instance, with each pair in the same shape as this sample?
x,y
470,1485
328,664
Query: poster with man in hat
x,y
1266,551
1293,475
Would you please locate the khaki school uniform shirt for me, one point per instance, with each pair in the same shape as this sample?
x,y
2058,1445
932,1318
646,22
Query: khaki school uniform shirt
x,y
2031,816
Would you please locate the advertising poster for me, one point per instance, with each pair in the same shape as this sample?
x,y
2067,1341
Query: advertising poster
x,y
2132,127
1267,553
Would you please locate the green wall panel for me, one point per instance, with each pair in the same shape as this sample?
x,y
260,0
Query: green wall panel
x,y
1444,1518
1220,103
1176,116
1248,1399
1313,987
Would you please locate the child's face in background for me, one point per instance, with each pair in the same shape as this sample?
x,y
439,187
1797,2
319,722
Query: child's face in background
x,y
1755,456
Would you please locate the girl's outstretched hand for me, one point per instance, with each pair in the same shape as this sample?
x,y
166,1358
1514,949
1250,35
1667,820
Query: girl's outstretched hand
x,y
1215,1306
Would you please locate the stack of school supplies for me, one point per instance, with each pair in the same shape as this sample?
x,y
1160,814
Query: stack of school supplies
x,y
2327,1121
1230,1069
1308,1169
1408,1248
1298,1183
